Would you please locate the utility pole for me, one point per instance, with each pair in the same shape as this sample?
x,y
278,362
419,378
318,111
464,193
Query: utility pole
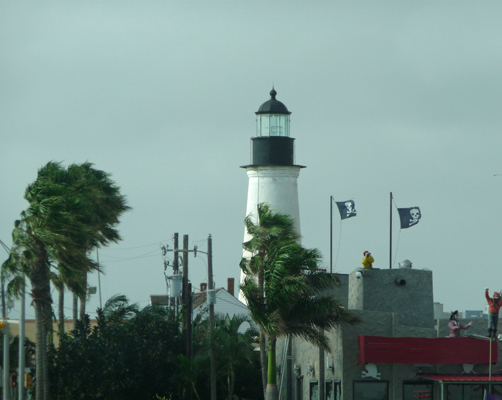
x,y
22,318
185,270
187,299
189,321
210,284
5,381
176,268
189,332
187,302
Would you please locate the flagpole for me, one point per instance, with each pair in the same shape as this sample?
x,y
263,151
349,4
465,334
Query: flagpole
x,y
490,369
330,234
390,241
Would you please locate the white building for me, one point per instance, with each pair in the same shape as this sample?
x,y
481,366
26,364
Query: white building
x,y
272,173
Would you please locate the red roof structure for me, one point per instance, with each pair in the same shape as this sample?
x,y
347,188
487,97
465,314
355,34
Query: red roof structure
x,y
461,378
417,350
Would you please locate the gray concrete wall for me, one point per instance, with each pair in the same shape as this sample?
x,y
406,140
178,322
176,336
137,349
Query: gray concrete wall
x,y
356,290
342,291
377,290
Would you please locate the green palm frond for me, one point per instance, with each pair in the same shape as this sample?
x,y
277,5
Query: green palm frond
x,y
117,308
298,295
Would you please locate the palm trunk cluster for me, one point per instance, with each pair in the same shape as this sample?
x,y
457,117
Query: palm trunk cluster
x,y
42,301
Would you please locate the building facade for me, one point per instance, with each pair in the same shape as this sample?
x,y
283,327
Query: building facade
x,y
398,351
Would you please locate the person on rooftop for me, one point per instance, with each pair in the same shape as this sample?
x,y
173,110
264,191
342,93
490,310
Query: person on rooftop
x,y
493,312
455,326
367,260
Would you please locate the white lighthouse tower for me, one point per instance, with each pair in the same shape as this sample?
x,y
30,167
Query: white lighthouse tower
x,y
272,173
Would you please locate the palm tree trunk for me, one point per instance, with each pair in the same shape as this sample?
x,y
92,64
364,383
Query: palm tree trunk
x,y
45,362
41,293
231,382
75,310
61,312
263,351
84,298
272,392
263,359
40,346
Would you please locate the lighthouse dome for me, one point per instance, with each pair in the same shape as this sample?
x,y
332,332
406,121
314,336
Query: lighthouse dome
x,y
273,106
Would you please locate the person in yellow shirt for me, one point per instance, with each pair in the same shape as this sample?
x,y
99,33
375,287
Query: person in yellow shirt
x,y
367,260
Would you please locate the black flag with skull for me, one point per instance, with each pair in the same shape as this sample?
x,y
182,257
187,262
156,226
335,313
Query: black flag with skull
x,y
347,209
409,216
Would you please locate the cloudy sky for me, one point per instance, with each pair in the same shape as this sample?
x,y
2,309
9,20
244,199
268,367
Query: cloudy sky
x,y
387,96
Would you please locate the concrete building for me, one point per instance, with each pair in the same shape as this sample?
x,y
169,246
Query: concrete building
x,y
399,351
474,314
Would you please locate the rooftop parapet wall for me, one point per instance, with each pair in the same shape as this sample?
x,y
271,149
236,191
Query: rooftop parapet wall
x,y
405,292
342,290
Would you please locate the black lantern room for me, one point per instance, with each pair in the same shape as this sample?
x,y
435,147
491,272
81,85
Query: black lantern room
x,y
272,144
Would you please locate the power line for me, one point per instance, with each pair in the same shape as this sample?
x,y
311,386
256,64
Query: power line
x,y
146,255
135,247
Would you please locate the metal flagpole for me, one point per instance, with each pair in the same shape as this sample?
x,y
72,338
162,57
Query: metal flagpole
x,y
390,247
490,369
330,234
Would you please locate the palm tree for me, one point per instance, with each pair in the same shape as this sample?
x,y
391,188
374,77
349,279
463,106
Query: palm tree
x,y
70,212
118,309
267,233
296,298
233,348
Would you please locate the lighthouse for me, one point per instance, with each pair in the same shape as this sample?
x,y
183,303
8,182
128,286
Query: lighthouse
x,y
272,173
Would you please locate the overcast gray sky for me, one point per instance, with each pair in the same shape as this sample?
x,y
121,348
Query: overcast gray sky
x,y
387,96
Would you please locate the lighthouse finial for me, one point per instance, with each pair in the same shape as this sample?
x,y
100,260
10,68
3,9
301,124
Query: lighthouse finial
x,y
273,93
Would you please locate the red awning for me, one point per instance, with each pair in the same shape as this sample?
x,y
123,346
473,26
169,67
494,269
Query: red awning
x,y
415,350
460,378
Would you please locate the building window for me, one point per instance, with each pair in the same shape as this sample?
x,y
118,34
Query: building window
x,y
333,390
299,388
417,390
371,390
473,391
314,391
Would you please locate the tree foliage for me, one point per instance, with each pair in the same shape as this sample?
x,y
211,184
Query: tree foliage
x,y
131,359
286,289
71,210
135,353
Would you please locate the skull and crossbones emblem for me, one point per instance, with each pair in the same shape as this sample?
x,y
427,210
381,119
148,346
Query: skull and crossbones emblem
x,y
371,371
349,208
414,216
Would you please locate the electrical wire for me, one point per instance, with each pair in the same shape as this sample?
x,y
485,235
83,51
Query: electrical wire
x,y
238,305
146,255
135,247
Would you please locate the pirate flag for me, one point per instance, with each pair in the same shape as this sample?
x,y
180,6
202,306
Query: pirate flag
x,y
409,216
347,209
